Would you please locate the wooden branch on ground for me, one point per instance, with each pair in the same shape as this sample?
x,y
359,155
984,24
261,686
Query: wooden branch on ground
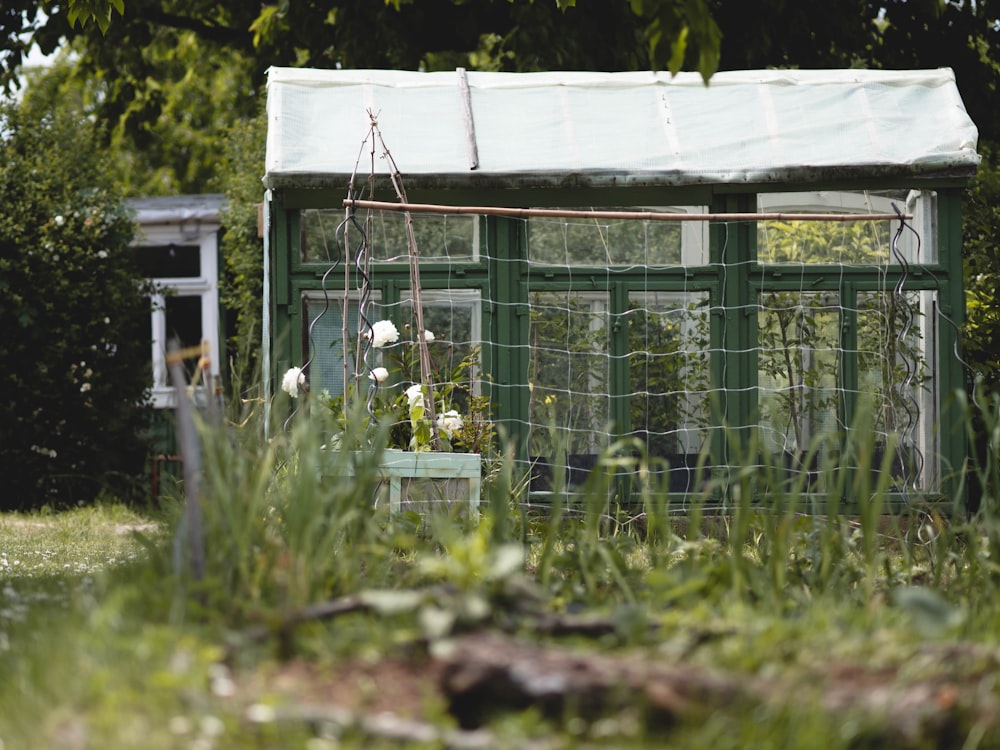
x,y
542,623
386,726
486,674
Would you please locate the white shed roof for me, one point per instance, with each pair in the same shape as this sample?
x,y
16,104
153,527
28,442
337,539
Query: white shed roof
x,y
456,129
173,209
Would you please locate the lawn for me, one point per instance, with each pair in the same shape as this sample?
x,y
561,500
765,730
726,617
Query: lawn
x,y
314,622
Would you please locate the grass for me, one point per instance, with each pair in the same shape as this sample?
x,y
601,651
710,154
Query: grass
x,y
313,616
77,542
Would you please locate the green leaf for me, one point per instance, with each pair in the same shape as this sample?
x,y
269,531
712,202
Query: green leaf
x,y
100,11
678,48
930,613
264,24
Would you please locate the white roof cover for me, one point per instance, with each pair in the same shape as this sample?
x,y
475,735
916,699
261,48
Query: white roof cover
x,y
458,129
174,209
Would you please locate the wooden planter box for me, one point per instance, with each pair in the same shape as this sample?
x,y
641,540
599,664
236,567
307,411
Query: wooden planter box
x,y
424,481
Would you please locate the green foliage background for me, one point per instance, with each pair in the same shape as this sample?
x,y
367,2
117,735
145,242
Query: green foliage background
x,y
74,354
981,238
241,286
177,84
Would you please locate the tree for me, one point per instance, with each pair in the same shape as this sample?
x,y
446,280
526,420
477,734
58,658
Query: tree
x,y
243,274
74,357
508,34
169,137
981,232
172,76
893,34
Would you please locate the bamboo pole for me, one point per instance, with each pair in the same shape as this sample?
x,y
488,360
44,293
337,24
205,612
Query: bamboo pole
x,y
423,353
562,213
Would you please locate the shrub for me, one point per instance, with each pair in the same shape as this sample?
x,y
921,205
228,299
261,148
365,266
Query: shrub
x,y
241,169
74,354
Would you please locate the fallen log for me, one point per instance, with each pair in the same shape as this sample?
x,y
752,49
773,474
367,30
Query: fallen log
x,y
485,673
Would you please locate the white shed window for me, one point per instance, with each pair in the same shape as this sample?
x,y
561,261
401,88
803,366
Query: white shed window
x,y
180,255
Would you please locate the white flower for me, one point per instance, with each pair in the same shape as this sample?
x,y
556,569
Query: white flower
x,y
378,374
212,726
59,220
260,713
221,681
382,333
85,387
428,336
102,254
449,423
415,395
179,725
292,380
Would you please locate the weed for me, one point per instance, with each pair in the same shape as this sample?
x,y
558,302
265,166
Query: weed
x,y
106,635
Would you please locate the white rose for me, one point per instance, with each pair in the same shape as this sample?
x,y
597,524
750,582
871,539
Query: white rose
x,y
428,336
449,423
379,374
415,395
292,380
382,333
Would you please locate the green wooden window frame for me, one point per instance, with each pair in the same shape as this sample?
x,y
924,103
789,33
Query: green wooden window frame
x,y
506,287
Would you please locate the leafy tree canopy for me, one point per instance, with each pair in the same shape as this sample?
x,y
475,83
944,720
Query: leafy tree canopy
x,y
160,66
170,76
512,34
74,357
893,34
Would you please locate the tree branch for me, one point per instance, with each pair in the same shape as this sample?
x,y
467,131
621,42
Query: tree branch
x,y
225,35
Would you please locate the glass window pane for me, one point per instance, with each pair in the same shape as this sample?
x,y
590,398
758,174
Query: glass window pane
x,y
798,372
453,319
896,379
604,242
183,315
669,376
867,242
326,371
439,237
854,243
569,407
169,261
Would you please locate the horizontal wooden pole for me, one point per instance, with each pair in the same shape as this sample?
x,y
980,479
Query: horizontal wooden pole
x,y
562,213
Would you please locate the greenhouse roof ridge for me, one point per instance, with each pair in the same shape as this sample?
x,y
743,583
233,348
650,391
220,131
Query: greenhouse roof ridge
x,y
457,129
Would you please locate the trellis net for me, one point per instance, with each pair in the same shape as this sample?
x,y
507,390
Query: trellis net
x,y
588,330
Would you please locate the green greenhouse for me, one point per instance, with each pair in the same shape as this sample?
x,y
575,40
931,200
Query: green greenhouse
x,y
713,277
